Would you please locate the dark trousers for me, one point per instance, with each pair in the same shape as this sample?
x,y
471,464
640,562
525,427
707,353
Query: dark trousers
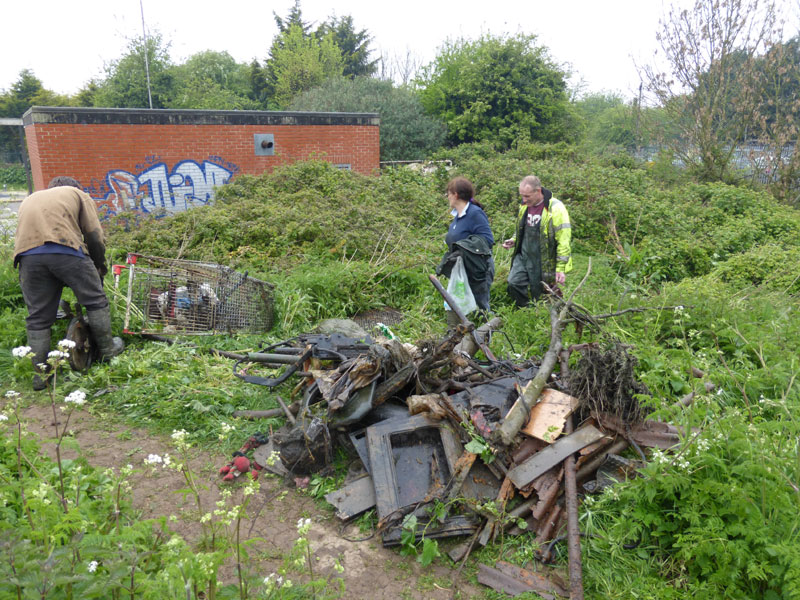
x,y
480,289
42,278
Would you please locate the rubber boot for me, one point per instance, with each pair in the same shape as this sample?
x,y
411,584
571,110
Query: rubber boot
x,y
100,328
39,341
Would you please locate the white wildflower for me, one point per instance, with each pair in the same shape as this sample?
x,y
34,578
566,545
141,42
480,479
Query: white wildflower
x,y
251,488
703,444
303,525
78,398
66,344
57,354
273,458
272,582
3,417
11,394
153,459
179,437
21,351
92,566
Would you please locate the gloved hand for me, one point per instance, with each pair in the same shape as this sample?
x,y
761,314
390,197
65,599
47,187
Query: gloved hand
x,y
102,269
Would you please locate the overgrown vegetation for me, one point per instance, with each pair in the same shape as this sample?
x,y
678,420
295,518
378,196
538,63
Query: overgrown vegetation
x,y
716,519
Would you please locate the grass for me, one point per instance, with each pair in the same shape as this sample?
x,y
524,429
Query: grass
x,y
737,325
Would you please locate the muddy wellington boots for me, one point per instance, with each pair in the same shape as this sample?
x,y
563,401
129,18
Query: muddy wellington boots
x,y
100,326
39,341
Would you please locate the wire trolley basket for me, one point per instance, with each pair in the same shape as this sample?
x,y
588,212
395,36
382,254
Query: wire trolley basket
x,y
170,296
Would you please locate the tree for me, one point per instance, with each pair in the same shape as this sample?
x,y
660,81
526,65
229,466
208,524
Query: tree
x,y
298,62
406,132
497,89
212,80
711,91
25,92
353,44
295,17
125,85
774,156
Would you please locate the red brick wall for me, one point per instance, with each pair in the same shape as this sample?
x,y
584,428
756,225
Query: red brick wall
x,y
144,160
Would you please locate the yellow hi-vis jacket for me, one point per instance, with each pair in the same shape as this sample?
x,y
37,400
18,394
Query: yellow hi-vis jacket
x,y
555,235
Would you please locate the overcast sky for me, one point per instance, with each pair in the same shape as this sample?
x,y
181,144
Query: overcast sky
x,y
68,43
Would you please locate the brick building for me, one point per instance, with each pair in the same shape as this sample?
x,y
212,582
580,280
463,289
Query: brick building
x,y
150,160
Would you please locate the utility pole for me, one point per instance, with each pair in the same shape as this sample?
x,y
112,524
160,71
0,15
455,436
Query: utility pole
x,y
146,60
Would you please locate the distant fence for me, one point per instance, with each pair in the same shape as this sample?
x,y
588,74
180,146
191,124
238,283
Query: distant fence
x,y
758,160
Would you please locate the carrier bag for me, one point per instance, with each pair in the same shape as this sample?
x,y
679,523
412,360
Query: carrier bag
x,y
459,289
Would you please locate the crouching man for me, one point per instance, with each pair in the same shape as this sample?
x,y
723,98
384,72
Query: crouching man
x,y
59,242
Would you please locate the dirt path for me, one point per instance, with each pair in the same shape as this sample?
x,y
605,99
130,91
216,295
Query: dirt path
x,y
370,571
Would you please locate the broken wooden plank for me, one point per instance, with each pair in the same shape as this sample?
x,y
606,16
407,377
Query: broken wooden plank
x,y
547,418
460,472
523,474
353,498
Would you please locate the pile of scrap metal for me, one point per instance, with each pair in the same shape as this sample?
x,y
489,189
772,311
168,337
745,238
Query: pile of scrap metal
x,y
432,426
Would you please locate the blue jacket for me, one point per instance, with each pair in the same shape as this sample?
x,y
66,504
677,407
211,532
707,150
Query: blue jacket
x,y
474,222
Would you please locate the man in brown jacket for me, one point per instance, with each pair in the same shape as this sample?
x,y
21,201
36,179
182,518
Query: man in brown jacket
x,y
59,242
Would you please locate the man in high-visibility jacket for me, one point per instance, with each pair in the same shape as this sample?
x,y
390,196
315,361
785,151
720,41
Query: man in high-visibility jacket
x,y
541,244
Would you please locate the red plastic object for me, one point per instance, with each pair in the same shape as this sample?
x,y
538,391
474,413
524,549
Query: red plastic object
x,y
241,464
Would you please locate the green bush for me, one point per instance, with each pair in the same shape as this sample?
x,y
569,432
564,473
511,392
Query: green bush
x,y
13,175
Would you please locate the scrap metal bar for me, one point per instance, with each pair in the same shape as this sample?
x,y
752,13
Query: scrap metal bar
x,y
573,530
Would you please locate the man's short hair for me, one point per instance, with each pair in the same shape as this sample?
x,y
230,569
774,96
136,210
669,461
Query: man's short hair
x,y
531,181
64,180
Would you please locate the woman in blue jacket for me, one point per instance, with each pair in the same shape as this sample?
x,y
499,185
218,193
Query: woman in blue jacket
x,y
469,236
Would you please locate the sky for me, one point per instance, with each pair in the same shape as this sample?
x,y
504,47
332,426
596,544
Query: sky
x,y
68,43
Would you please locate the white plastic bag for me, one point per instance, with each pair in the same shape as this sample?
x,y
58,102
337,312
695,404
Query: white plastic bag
x,y
459,289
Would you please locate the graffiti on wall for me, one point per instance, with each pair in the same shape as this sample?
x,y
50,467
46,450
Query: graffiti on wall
x,y
156,189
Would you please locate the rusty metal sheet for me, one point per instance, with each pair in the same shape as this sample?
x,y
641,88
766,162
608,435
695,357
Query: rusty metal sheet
x,y
537,581
500,582
651,434
536,465
353,498
453,526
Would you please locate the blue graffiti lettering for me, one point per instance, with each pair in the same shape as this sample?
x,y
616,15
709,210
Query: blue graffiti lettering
x,y
156,190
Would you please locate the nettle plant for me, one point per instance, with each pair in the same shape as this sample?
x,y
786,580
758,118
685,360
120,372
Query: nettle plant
x,y
66,528
68,531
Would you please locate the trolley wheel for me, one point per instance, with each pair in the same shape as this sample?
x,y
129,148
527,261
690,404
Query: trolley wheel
x,y
84,353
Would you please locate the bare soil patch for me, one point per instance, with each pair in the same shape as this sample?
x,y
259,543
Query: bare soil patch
x,y
370,570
